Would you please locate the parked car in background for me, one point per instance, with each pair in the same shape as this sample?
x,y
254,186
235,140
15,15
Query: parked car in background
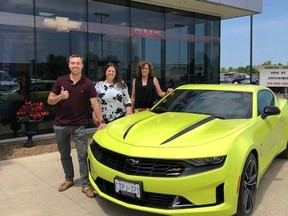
x,y
10,100
254,80
225,79
7,84
200,150
238,77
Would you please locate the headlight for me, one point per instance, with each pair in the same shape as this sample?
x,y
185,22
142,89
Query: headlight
x,y
206,161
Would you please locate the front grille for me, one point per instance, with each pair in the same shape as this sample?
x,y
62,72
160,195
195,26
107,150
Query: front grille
x,y
146,166
137,166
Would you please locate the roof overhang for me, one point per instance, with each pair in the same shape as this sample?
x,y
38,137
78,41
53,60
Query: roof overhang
x,y
205,7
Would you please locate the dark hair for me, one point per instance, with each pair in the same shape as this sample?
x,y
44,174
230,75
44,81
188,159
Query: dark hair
x,y
76,56
140,65
117,80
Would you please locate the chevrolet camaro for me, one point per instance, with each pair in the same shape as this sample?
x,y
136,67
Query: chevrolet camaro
x,y
201,150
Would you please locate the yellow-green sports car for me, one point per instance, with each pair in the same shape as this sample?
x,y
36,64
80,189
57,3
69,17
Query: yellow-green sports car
x,y
201,150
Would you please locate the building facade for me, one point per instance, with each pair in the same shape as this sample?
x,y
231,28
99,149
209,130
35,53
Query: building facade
x,y
180,38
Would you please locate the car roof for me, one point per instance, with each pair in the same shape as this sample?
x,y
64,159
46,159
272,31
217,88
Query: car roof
x,y
228,87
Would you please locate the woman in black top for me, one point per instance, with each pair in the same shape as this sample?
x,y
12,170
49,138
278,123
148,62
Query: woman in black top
x,y
145,87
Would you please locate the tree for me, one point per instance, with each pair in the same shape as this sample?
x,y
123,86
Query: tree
x,y
268,62
231,69
223,70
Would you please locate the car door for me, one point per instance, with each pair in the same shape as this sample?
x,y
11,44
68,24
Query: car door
x,y
272,128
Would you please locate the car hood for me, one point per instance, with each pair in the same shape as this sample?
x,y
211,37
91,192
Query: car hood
x,y
148,129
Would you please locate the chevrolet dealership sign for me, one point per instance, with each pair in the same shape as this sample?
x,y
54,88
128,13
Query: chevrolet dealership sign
x,y
273,75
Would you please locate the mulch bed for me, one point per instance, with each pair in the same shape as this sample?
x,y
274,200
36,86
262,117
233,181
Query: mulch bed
x,y
16,149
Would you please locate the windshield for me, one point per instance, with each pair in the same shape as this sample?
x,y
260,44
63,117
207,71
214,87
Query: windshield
x,y
221,104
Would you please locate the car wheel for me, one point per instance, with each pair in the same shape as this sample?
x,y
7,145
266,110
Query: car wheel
x,y
284,154
248,186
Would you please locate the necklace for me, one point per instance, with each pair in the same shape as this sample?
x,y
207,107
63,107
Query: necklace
x,y
109,84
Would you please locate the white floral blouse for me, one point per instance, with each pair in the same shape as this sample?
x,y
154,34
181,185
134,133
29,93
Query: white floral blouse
x,y
113,100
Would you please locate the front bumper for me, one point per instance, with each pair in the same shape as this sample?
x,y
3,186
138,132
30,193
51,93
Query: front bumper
x,y
206,193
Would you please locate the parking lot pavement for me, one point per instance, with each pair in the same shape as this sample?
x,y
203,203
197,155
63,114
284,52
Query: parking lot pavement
x,y
272,193
28,186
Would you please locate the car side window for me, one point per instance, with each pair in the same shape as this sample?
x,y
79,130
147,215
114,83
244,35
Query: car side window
x,y
264,98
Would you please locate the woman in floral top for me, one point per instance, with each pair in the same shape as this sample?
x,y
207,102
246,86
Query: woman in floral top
x,y
112,95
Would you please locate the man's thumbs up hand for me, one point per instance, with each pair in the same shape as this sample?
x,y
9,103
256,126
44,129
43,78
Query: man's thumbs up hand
x,y
64,94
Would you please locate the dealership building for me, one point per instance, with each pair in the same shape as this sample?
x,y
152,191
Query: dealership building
x,y
181,38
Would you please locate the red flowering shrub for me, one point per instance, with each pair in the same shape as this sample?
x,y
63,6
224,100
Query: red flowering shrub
x,y
32,111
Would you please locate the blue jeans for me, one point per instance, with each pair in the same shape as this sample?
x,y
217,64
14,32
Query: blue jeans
x,y
63,135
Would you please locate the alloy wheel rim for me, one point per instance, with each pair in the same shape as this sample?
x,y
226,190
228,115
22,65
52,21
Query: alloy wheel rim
x,y
250,182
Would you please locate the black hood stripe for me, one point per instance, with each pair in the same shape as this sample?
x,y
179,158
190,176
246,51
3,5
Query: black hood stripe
x,y
127,131
191,127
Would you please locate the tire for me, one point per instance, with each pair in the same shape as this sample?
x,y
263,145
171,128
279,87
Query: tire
x,y
284,154
248,187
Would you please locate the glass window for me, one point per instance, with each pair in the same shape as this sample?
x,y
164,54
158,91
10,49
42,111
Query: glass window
x,y
73,10
207,49
179,47
16,62
17,7
61,30
264,98
109,12
36,43
108,37
147,33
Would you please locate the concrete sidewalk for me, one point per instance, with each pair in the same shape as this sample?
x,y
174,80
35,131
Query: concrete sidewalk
x,y
29,186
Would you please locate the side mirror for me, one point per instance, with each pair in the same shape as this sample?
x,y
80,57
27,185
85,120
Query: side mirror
x,y
270,110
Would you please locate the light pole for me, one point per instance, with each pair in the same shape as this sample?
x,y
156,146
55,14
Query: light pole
x,y
101,16
251,46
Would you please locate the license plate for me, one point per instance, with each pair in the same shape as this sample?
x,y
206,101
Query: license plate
x,y
128,188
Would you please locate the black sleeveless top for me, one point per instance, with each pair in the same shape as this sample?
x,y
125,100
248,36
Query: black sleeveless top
x,y
145,96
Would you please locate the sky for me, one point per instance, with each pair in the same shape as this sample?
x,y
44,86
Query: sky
x,y
270,37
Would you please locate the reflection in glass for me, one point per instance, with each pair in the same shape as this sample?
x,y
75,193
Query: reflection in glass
x,y
182,46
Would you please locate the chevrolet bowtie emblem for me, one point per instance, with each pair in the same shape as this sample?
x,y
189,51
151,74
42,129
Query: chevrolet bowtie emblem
x,y
132,162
